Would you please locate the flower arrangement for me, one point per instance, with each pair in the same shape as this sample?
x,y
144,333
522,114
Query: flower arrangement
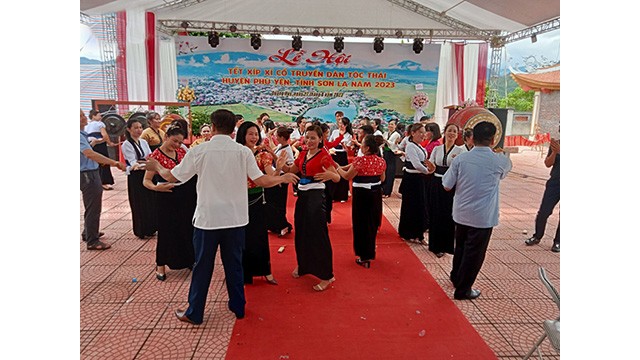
x,y
467,103
420,101
187,94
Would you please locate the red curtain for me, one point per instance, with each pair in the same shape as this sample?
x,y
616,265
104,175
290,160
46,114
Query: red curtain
x,y
150,44
483,53
121,58
459,58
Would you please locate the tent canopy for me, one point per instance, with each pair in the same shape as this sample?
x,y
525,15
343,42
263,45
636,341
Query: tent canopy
x,y
473,19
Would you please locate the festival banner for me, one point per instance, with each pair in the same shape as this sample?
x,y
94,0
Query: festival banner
x,y
315,81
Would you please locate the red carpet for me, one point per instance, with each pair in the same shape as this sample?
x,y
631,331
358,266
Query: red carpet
x,y
394,310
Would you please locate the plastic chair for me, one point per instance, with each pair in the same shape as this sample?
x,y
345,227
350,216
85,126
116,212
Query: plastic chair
x,y
551,327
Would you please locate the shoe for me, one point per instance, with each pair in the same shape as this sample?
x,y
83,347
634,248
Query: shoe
x,y
161,277
238,314
98,245
440,254
319,287
532,241
180,314
295,273
555,247
365,263
107,187
284,232
100,234
271,281
469,295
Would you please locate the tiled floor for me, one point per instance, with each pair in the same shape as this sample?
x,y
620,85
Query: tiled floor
x,y
127,314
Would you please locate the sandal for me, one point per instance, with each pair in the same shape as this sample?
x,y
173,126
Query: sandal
x,y
295,273
319,287
98,245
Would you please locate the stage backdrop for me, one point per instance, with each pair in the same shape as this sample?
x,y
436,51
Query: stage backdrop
x,y
315,82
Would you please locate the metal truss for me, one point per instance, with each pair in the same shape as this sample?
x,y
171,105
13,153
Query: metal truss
x,y
176,4
108,47
85,19
169,26
438,16
494,76
533,30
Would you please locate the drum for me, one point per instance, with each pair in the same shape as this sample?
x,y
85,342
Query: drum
x,y
470,116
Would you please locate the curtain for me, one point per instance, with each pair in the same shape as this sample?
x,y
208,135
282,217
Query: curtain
x,y
168,70
483,58
447,93
136,56
471,52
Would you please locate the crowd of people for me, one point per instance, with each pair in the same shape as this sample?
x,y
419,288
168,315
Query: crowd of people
x,y
230,189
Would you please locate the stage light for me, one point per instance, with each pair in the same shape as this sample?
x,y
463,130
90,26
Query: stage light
x,y
233,28
296,43
338,45
534,38
276,30
399,33
316,32
256,41
417,45
214,39
359,33
184,25
378,44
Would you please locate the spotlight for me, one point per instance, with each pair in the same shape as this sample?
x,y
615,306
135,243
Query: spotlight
x,y
233,28
399,33
184,25
338,45
534,38
316,32
214,39
378,44
359,33
276,30
256,41
417,45
296,43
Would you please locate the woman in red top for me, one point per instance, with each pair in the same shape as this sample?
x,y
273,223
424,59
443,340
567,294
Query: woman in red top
x,y
175,207
313,247
256,257
368,173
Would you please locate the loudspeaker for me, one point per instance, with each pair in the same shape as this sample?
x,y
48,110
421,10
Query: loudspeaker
x,y
502,115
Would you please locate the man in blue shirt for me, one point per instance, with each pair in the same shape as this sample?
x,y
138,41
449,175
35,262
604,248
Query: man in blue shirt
x,y
476,176
91,187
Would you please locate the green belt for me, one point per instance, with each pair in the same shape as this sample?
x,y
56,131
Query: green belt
x,y
255,190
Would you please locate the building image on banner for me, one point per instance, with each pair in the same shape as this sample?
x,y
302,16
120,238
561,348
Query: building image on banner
x,y
314,82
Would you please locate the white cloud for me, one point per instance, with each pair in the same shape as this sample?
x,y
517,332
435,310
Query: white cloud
x,y
205,59
194,63
224,59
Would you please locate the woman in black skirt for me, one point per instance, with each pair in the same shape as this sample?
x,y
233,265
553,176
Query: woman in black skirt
x,y
413,210
390,150
176,205
441,224
141,200
341,189
276,196
368,173
313,247
256,256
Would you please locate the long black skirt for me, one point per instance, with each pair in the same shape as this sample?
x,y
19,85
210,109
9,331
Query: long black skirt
x,y
313,247
413,210
341,188
366,214
256,258
143,203
105,170
442,228
276,208
175,210
390,173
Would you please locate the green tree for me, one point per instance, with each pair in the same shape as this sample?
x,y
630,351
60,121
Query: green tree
x,y
517,99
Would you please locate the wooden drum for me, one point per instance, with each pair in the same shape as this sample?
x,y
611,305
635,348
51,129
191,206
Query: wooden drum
x,y
470,116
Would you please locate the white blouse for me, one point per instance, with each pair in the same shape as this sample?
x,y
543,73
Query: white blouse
x,y
392,140
129,152
416,155
439,158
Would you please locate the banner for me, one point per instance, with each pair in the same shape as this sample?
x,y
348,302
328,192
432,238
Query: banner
x,y
315,81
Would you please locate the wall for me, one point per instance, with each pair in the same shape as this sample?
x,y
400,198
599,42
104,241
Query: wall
x,y
549,118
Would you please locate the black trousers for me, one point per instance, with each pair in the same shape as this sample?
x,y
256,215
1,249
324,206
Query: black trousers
x,y
471,248
550,199
390,172
91,187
